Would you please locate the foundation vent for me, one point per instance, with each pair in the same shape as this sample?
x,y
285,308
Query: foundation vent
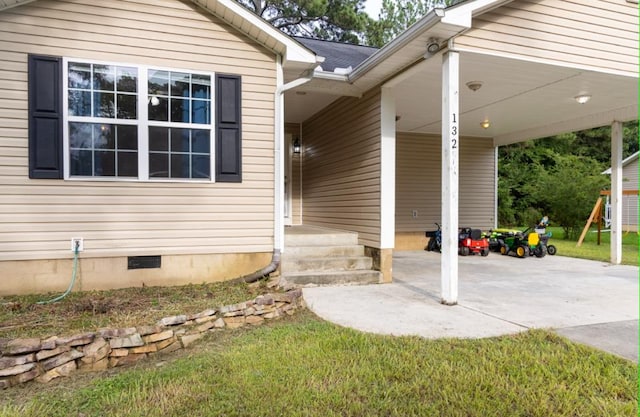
x,y
144,262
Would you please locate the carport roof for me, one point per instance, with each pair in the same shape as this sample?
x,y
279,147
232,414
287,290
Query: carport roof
x,y
523,97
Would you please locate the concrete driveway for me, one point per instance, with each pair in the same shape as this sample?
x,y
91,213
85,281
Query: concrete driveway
x,y
587,301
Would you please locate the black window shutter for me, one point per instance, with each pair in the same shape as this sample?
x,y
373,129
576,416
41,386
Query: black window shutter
x,y
228,128
45,117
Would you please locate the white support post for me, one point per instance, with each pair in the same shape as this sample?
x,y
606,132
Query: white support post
x,y
278,156
388,170
616,193
450,150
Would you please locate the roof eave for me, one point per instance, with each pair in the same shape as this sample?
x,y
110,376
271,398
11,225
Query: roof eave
x,y
456,18
244,20
629,159
4,5
293,52
415,30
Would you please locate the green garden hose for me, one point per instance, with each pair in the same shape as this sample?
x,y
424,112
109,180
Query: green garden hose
x,y
76,251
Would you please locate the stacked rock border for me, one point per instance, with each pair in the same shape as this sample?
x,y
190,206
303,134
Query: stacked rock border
x,y
42,360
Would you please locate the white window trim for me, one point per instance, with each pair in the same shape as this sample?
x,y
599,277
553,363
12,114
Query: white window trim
x,y
142,122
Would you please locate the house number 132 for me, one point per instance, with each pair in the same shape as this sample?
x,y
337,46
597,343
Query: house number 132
x,y
454,132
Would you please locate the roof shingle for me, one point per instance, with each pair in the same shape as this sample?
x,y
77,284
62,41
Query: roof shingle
x,y
336,54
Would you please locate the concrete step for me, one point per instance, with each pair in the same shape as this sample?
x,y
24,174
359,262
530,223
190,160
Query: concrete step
x,y
320,237
333,278
323,251
338,263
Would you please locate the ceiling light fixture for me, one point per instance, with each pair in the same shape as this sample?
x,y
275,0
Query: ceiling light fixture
x,y
433,45
582,98
474,85
485,124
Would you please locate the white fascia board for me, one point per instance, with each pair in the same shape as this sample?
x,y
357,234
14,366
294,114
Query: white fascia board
x,y
293,50
463,12
457,17
623,114
4,5
630,159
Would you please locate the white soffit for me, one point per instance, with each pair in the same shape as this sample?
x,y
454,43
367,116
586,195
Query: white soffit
x,y
522,100
299,107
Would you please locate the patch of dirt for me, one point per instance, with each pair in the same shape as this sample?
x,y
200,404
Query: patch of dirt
x,y
26,316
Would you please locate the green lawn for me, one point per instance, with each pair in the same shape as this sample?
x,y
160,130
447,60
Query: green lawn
x,y
303,366
590,248
307,367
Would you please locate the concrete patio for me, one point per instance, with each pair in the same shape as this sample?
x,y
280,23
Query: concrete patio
x,y
588,301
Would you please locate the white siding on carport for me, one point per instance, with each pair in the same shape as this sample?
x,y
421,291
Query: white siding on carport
x,y
418,182
598,34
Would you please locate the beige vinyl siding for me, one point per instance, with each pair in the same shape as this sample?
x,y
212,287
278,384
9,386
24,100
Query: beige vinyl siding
x,y
39,217
341,167
630,202
418,182
597,34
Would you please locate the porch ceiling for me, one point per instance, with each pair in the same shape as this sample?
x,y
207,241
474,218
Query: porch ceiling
x,y
521,100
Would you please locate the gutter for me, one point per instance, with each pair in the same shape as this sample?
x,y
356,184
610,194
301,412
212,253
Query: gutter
x,y
330,76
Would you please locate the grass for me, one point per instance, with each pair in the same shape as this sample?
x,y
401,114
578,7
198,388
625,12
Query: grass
x,y
307,367
302,366
590,248
21,316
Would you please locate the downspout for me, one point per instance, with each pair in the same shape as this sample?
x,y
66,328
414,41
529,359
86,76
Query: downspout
x,y
278,178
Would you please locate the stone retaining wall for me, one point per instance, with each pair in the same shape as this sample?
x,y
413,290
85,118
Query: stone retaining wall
x,y
24,360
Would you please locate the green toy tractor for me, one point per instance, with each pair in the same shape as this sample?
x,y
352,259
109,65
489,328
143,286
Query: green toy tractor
x,y
522,244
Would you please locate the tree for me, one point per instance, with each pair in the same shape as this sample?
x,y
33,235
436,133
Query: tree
x,y
569,192
521,168
335,20
558,176
398,15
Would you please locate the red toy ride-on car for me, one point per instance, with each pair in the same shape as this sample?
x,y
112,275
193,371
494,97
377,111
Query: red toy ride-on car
x,y
471,241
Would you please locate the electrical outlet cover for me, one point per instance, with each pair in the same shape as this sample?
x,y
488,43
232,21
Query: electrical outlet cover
x,y
80,244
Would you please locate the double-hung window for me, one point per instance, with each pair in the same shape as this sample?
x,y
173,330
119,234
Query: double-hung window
x,y
101,120
137,122
102,114
179,124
